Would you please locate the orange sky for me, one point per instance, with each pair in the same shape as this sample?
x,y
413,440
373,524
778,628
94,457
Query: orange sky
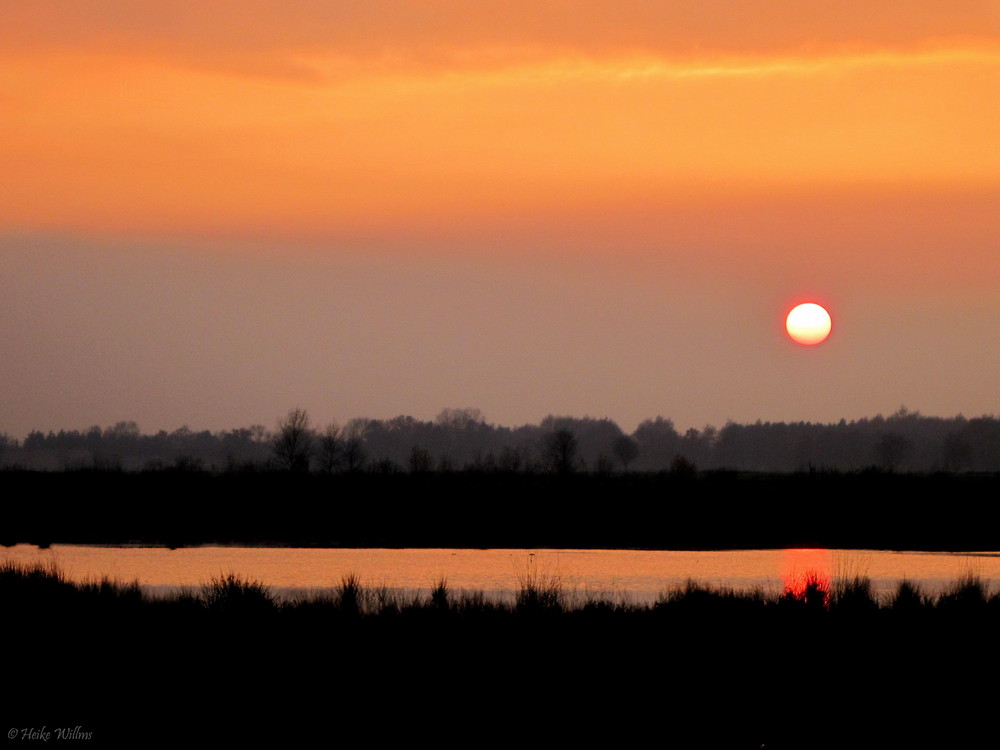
x,y
316,119
847,149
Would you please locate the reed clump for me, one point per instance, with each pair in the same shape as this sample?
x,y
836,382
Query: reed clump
x,y
538,591
234,594
439,598
350,596
909,597
811,593
33,590
16,576
854,594
969,594
696,598
41,587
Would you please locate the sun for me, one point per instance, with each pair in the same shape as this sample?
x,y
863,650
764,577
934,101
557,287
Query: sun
x,y
808,324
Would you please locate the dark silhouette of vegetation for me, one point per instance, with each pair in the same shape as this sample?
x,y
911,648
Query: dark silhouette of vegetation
x,y
385,506
462,439
957,453
293,442
892,449
724,668
233,594
560,451
421,461
354,447
329,453
350,596
626,450
538,592
683,468
5,442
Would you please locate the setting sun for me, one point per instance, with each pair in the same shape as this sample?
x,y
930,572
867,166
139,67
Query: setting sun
x,y
808,324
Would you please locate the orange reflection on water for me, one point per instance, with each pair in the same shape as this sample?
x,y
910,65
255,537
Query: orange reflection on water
x,y
800,567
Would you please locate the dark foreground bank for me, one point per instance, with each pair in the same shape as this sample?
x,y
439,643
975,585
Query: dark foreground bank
x,y
700,668
699,510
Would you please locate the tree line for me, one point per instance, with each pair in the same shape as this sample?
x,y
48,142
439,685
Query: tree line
x,y
462,439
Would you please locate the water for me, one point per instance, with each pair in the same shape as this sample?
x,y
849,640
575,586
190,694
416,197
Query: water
x,y
638,575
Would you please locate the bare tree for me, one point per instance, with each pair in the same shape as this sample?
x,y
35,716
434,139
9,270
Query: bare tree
x,y
354,445
603,465
258,433
460,419
511,459
560,451
421,461
330,451
293,443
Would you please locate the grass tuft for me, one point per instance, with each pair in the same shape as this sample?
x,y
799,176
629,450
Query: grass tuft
x,y
537,591
811,592
854,594
234,594
350,595
439,595
968,593
909,597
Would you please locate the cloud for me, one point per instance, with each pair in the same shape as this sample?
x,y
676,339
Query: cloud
x,y
278,38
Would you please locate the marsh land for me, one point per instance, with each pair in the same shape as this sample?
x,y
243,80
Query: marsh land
x,y
468,509
816,667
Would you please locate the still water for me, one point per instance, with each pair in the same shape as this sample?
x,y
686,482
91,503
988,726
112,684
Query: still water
x,y
638,575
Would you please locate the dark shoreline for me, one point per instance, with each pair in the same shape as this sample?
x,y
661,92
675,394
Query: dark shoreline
x,y
711,510
701,668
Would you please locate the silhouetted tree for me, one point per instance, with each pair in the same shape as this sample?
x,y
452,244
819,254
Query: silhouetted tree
x,y
36,440
421,461
957,452
354,445
122,431
892,449
385,466
6,442
511,460
330,450
593,436
460,438
603,465
560,451
460,419
187,464
626,450
697,446
293,442
658,442
682,467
